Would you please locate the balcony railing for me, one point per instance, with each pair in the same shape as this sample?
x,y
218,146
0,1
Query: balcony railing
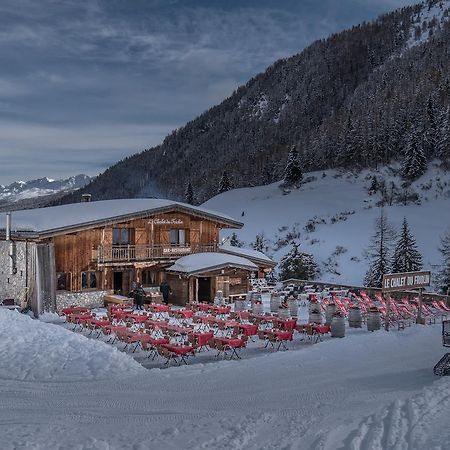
x,y
130,253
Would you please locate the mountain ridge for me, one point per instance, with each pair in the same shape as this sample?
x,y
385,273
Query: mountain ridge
x,y
350,100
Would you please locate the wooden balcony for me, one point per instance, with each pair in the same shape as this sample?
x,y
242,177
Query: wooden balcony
x,y
140,253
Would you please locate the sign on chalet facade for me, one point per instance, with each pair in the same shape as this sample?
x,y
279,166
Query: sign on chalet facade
x,y
87,249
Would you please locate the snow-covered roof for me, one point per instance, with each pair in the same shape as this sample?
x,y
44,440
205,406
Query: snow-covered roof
x,y
247,253
206,262
65,217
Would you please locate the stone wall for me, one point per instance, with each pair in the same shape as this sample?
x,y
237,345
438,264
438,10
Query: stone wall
x,y
14,285
88,299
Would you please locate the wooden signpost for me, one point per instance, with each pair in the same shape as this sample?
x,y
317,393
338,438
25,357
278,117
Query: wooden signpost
x,y
404,282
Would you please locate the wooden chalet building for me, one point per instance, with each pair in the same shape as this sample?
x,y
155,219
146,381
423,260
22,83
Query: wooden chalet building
x,y
77,253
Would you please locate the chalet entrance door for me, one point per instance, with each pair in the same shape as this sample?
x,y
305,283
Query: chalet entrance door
x,y
204,289
117,282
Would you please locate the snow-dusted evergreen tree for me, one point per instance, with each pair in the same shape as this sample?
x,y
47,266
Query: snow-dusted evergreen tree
x,y
189,194
225,183
293,174
443,276
431,136
407,257
414,160
379,252
260,243
298,265
374,186
443,141
235,241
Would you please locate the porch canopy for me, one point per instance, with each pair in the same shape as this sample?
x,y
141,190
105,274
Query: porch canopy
x,y
198,264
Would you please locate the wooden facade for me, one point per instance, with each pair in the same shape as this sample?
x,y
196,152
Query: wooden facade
x,y
114,255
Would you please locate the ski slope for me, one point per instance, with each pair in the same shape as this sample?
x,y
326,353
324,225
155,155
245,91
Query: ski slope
x,y
344,214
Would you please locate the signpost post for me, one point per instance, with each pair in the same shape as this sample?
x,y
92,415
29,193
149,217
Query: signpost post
x,y
403,282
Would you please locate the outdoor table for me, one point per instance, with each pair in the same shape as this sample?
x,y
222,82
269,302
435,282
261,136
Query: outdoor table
x,y
233,343
159,309
98,324
243,315
248,329
283,335
205,307
74,310
137,318
287,324
180,350
113,329
77,318
185,313
222,310
322,329
203,338
120,315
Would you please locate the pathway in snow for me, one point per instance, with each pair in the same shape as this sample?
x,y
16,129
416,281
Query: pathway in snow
x,y
338,393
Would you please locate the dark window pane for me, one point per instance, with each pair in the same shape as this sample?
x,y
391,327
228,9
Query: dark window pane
x,y
182,237
84,283
125,239
61,281
116,236
174,237
93,280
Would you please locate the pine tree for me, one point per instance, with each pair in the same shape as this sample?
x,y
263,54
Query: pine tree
x,y
431,130
378,253
293,173
235,241
374,185
443,141
406,255
260,243
443,276
414,161
298,265
189,194
225,183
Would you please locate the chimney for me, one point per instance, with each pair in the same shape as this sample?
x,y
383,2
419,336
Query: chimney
x,y
11,246
86,198
8,226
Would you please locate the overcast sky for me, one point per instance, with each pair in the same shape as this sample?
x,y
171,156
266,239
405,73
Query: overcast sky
x,y
85,83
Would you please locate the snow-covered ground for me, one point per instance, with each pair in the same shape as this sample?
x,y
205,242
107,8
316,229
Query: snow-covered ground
x,y
366,391
341,216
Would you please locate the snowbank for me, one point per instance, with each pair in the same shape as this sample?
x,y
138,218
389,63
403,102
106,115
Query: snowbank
x,y
34,350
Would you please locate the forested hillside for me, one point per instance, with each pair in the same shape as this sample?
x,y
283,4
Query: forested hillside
x,y
366,96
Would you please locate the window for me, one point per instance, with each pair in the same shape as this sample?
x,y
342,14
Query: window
x,y
62,281
148,277
121,236
90,280
179,237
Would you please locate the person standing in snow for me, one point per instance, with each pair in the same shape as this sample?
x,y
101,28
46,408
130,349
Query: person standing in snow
x,y
139,295
165,290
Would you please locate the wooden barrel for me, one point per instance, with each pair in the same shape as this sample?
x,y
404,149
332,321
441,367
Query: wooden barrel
x,y
254,296
329,311
338,326
315,314
373,319
240,305
293,306
275,301
257,308
283,313
355,317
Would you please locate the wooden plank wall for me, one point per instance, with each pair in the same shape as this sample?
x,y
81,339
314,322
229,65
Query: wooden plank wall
x,y
76,252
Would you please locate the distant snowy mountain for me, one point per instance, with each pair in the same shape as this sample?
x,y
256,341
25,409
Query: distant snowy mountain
x,y
21,190
332,216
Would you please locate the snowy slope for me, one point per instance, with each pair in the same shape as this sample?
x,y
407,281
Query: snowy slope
x,y
20,190
427,21
341,216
